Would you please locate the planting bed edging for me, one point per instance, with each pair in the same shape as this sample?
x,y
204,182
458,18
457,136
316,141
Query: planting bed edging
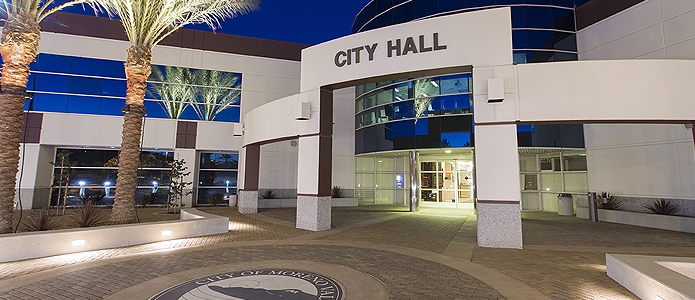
x,y
25,245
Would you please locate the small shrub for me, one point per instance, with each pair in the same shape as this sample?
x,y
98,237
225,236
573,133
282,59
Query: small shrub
x,y
268,194
215,199
336,192
87,215
41,220
662,207
611,201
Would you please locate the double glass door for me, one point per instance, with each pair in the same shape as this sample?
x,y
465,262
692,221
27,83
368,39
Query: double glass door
x,y
446,183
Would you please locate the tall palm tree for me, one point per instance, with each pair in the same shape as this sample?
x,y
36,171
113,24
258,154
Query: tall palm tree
x,y
18,46
146,23
169,84
215,93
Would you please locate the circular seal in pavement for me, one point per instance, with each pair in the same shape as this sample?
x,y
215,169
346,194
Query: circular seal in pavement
x,y
257,284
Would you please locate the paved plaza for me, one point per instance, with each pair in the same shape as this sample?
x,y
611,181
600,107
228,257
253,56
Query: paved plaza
x,y
374,252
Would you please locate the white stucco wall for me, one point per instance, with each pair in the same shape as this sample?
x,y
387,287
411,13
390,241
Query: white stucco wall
x,y
642,160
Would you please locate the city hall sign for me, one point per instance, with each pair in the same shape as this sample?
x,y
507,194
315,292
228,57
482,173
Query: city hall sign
x,y
393,48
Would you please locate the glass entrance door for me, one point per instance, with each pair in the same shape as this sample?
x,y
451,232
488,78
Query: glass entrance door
x,y
446,183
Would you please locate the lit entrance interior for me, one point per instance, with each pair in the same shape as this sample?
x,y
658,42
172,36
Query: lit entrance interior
x,y
446,180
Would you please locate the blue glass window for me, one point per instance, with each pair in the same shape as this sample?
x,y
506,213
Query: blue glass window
x,y
85,85
403,110
52,83
154,110
114,69
111,106
87,66
54,63
50,102
114,88
83,105
456,139
219,161
455,84
229,114
217,178
538,17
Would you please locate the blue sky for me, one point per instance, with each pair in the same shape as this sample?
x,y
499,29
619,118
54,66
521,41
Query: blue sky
x,y
304,21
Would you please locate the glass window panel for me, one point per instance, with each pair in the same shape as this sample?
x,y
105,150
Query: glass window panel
x,y
85,85
518,16
529,182
54,63
546,164
384,164
110,106
50,102
384,197
425,87
364,164
465,181
403,13
519,39
400,164
530,201
429,196
114,69
218,178
403,110
454,84
563,56
149,177
160,195
556,164
154,109
449,180
551,182
228,114
384,114
428,180
527,163
428,166
447,196
83,105
563,19
564,41
369,86
52,83
576,182
455,139
114,88
401,91
368,100
539,17
156,159
384,96
364,180
539,39
549,201
575,163
385,181
87,66
205,195
440,180
219,161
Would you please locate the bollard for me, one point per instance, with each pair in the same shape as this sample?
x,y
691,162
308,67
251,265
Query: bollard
x,y
593,209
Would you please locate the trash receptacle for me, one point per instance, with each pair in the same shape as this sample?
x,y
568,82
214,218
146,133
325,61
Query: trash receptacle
x,y
565,205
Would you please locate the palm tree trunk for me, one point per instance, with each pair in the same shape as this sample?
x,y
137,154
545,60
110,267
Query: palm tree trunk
x,y
137,69
18,47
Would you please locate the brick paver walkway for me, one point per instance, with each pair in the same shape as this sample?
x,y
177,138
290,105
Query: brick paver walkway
x,y
563,257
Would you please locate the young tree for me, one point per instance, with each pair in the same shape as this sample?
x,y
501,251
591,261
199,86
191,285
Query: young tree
x,y
18,46
146,23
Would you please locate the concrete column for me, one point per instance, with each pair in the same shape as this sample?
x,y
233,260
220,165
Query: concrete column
x,y
497,177
314,170
250,159
188,155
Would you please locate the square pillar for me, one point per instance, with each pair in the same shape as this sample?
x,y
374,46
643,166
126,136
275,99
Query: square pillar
x,y
497,185
250,158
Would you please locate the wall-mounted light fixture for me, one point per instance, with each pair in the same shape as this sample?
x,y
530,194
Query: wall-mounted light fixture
x,y
78,242
495,90
302,111
238,129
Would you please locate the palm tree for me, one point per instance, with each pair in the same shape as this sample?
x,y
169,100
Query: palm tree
x,y
146,23
215,94
18,47
169,85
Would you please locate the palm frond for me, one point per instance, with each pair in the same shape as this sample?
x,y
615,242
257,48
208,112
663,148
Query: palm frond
x,y
169,85
147,22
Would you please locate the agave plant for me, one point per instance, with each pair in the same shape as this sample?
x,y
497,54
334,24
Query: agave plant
x,y
268,194
215,199
336,192
18,47
662,207
611,202
88,215
146,23
41,220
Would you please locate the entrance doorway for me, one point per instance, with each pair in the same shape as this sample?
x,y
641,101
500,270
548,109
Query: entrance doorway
x,y
446,183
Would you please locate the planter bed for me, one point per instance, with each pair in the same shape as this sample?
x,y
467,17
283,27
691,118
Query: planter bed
x,y
292,202
667,222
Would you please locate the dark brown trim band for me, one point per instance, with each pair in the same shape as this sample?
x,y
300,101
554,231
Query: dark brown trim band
x,y
597,10
91,26
498,202
280,139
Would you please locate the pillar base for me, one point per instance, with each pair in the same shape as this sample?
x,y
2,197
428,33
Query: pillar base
x,y
313,213
499,225
248,202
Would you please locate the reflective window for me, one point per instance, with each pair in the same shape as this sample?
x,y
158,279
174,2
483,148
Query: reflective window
x,y
217,177
83,105
85,85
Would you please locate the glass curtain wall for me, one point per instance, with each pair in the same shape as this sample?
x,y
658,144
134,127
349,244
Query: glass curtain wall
x,y
217,177
91,173
68,84
544,176
381,180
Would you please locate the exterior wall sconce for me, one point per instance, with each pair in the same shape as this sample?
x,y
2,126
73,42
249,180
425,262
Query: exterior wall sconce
x,y
495,90
238,129
302,111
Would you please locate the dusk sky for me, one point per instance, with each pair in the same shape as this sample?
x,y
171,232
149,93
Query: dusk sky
x,y
304,21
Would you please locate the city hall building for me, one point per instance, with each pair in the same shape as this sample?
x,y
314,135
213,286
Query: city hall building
x,y
497,105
